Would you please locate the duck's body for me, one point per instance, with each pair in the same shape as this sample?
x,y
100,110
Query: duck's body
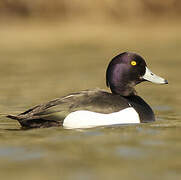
x,y
91,108
57,112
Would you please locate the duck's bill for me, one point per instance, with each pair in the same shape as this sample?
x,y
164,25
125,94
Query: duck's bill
x,y
149,76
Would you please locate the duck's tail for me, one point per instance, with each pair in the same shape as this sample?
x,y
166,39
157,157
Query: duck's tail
x,y
12,117
7,115
34,123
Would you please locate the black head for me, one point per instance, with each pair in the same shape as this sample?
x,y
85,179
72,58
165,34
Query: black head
x,y
125,71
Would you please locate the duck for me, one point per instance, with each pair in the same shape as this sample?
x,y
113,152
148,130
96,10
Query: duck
x,y
96,107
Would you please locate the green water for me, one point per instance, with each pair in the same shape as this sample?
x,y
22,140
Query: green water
x,y
31,74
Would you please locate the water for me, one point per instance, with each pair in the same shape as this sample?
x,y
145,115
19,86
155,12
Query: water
x,y
38,65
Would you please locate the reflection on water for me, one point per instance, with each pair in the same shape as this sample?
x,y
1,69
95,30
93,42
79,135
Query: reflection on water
x,y
19,154
32,75
131,152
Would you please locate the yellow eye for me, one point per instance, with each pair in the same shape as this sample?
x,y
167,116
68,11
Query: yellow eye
x,y
133,63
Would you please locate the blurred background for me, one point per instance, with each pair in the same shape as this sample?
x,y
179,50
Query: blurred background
x,y
112,10
52,48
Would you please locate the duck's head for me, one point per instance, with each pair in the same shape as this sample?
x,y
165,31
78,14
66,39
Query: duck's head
x,y
126,70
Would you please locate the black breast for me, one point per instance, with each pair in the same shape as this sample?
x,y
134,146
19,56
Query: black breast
x,y
143,109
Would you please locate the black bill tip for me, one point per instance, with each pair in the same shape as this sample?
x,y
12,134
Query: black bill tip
x,y
166,82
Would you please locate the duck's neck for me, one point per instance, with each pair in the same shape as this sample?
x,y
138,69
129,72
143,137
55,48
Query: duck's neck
x,y
126,90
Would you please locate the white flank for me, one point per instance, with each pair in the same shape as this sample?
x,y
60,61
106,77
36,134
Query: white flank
x,y
88,119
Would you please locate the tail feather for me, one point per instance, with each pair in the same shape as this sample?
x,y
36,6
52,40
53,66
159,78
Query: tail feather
x,y
34,123
12,117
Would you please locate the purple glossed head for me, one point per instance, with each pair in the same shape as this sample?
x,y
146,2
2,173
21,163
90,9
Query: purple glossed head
x,y
126,70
